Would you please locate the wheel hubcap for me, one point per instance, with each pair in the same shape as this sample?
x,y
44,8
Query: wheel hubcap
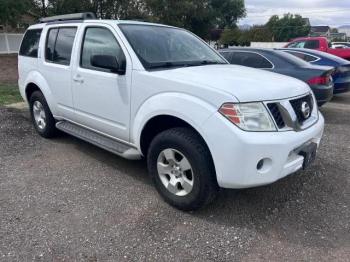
x,y
175,172
39,115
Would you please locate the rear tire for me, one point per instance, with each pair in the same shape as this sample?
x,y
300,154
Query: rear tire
x,y
182,169
42,117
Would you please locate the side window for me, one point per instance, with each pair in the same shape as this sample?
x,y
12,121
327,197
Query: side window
x,y
30,43
293,45
298,44
227,55
312,44
59,45
305,57
100,41
250,60
50,44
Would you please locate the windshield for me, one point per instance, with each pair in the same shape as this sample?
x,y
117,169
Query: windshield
x,y
167,47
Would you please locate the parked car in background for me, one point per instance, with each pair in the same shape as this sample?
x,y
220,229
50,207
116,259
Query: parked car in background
x,y
341,75
160,92
318,77
340,45
320,44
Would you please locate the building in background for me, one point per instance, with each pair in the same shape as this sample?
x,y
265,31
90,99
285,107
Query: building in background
x,y
346,30
317,31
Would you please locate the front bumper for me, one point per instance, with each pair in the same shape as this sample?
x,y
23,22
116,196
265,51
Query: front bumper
x,y
237,153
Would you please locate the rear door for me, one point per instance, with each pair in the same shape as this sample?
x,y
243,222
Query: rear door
x,y
102,97
56,66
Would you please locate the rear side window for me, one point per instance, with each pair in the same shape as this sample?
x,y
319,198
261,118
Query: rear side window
x,y
298,44
30,43
59,45
312,44
305,57
250,59
100,41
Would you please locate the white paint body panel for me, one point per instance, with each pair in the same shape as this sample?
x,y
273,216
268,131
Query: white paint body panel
x,y
120,106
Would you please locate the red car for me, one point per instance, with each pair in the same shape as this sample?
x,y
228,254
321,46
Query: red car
x,y
320,44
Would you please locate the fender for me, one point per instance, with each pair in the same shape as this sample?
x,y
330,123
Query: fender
x,y
36,78
188,108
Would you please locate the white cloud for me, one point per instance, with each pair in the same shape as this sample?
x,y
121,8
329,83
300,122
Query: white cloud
x,y
320,12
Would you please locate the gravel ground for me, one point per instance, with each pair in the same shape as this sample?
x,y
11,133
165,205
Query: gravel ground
x,y
64,199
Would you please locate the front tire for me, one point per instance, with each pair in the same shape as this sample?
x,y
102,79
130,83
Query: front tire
x,y
182,169
42,117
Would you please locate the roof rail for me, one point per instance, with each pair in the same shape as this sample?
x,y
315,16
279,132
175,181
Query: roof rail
x,y
67,17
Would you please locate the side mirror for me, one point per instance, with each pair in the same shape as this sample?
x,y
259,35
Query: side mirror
x,y
107,62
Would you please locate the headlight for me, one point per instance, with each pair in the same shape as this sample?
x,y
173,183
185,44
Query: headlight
x,y
248,116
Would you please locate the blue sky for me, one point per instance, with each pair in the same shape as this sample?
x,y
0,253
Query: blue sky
x,y
320,12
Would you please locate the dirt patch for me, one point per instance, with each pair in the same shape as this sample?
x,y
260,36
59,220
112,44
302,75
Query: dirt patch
x,y
8,69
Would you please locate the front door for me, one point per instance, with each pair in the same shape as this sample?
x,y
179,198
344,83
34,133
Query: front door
x,y
101,97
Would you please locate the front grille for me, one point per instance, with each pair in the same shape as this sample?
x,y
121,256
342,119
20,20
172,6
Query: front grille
x,y
297,106
277,116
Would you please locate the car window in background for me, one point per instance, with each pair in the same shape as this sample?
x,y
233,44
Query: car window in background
x,y
100,41
59,45
250,59
298,44
305,57
312,44
30,43
226,55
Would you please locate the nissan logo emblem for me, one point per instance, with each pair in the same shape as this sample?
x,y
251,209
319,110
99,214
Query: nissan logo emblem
x,y
306,110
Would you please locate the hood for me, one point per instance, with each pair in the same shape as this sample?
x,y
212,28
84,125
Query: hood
x,y
244,83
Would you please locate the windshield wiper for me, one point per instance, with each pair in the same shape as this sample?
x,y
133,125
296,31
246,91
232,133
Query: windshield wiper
x,y
166,65
184,64
208,62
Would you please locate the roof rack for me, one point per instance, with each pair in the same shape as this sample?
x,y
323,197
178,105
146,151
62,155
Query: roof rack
x,y
67,17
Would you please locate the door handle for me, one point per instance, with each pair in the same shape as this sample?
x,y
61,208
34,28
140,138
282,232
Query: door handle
x,y
78,79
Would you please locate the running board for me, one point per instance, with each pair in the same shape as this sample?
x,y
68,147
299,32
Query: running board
x,y
99,140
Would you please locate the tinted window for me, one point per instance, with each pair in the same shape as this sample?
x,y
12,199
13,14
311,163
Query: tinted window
x,y
305,57
50,44
64,45
312,44
157,45
250,60
30,43
100,41
227,55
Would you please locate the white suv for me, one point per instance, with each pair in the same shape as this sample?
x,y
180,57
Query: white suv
x,y
155,91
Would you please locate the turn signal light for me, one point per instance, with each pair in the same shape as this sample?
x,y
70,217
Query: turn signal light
x,y
230,112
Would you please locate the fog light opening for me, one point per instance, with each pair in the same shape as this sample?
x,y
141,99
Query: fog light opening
x,y
260,164
264,165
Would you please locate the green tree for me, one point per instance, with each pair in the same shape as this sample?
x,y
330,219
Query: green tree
x,y
230,36
260,34
227,12
196,16
288,27
11,10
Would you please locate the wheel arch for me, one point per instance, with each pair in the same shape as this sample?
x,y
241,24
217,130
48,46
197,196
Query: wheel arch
x,y
36,82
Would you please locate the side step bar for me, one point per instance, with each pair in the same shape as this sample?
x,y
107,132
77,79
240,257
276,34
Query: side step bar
x,y
99,140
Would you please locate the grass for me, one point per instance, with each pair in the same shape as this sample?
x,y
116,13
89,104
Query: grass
x,y
9,94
